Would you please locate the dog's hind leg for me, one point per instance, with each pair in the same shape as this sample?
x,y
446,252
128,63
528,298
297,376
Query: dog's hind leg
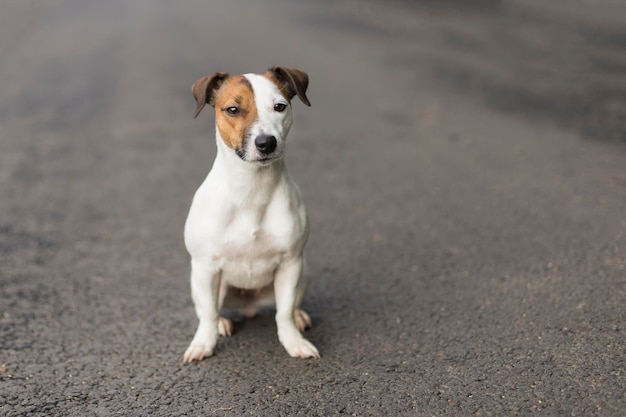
x,y
301,317
224,325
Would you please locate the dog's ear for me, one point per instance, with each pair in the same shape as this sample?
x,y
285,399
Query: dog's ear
x,y
294,82
204,90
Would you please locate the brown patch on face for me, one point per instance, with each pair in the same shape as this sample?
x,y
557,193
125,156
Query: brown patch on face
x,y
235,93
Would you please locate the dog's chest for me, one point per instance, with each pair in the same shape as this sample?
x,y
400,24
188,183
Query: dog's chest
x,y
246,232
252,246
247,236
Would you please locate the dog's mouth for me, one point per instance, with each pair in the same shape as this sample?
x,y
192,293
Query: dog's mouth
x,y
259,159
266,160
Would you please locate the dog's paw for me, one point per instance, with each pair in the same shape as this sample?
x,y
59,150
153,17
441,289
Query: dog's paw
x,y
302,319
199,349
301,348
224,326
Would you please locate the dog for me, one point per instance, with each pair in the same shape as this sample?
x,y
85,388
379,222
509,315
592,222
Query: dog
x,y
247,225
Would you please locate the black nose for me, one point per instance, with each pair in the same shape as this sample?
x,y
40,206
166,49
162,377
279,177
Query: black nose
x,y
265,143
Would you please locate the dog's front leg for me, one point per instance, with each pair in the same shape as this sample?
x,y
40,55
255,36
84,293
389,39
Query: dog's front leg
x,y
285,289
205,286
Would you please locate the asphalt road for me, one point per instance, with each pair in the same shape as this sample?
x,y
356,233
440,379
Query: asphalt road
x,y
464,168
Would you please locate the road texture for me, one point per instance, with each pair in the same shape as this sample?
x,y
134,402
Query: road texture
x,y
464,167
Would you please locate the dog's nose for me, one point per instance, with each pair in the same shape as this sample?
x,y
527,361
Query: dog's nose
x,y
265,143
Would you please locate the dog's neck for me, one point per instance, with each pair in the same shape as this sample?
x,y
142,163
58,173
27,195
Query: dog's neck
x,y
248,182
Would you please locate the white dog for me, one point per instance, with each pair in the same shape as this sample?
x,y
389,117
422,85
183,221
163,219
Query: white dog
x,y
247,225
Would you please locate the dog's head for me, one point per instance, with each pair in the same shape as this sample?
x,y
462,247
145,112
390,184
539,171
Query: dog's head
x,y
253,111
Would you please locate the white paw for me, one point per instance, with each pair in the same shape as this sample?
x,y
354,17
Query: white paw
x,y
302,319
224,326
201,346
198,351
300,348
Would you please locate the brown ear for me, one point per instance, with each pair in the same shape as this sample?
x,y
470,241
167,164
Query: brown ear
x,y
204,90
294,81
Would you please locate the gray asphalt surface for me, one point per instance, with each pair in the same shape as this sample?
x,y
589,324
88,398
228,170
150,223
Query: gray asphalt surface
x,y
464,167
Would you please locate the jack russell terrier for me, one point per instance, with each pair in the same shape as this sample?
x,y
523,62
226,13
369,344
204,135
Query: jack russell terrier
x,y
247,225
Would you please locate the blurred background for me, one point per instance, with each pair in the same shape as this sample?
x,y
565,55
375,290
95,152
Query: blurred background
x,y
463,164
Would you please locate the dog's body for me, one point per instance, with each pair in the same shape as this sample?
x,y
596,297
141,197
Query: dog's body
x,y
247,225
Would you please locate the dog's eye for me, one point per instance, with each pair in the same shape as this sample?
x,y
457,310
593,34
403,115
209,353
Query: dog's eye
x,y
280,107
232,110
